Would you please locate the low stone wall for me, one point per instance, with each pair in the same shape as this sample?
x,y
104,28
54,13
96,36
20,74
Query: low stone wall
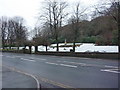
x,y
86,55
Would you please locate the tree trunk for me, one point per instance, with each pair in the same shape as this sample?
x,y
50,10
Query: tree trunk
x,y
9,47
74,46
57,47
24,49
17,48
46,48
3,45
57,42
30,49
36,49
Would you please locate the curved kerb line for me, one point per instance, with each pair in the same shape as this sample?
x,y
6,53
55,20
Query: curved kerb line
x,y
42,79
13,69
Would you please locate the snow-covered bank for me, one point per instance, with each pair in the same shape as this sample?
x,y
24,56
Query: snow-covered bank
x,y
81,47
93,48
84,47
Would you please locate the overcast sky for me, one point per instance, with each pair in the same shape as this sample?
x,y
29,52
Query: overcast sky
x,y
29,9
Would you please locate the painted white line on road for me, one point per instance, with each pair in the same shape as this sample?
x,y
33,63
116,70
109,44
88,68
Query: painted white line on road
x,y
27,59
10,57
68,65
85,58
52,63
85,64
111,66
62,64
38,58
72,62
69,57
110,70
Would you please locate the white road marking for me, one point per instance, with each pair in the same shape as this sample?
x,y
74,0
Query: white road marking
x,y
110,70
10,57
84,58
68,65
53,56
72,62
27,59
69,57
62,64
38,58
52,63
85,64
111,66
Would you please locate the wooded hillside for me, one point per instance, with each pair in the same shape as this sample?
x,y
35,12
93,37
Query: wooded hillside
x,y
101,30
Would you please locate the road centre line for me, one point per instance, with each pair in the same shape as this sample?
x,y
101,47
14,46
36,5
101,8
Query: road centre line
x,y
69,57
27,60
109,70
62,64
10,56
51,63
84,64
38,58
68,65
53,56
111,66
72,62
75,57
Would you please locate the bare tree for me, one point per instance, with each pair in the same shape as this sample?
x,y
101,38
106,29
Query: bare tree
x,y
54,15
3,28
75,20
20,31
13,31
42,37
114,12
10,33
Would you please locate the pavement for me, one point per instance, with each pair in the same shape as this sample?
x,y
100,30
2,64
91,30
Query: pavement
x,y
62,72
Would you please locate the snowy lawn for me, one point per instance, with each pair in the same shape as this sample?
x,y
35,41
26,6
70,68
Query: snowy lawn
x,y
84,47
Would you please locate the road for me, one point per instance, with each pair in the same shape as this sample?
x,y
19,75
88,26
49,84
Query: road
x,y
12,79
65,72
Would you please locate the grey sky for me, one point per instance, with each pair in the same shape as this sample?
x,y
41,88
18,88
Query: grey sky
x,y
29,9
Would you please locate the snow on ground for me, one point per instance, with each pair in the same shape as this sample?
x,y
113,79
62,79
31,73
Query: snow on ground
x,y
93,48
84,47
87,47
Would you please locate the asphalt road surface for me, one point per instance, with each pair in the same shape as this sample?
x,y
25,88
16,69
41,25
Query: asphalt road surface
x,y
65,72
13,79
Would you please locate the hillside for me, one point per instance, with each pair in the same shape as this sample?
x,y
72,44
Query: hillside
x,y
101,30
